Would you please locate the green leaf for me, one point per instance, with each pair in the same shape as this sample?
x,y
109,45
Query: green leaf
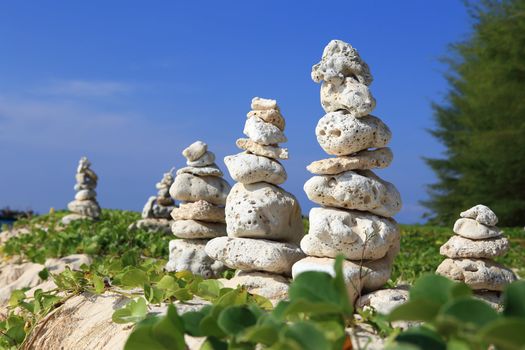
x,y
307,335
265,334
505,333
234,319
134,311
44,274
414,310
213,343
302,306
169,330
437,289
514,299
16,297
469,311
142,337
98,284
423,338
209,289
192,320
153,294
134,278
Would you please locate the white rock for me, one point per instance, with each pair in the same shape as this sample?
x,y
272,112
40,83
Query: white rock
x,y
342,134
369,159
147,211
472,229
272,116
254,254
263,133
478,273
383,300
152,225
360,190
207,159
259,103
354,234
193,229
341,60
189,255
249,168
211,170
200,210
351,96
66,220
262,150
262,210
269,285
195,151
481,214
86,208
83,195
460,247
191,188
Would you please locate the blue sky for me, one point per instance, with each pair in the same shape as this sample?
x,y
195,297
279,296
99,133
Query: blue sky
x,y
132,83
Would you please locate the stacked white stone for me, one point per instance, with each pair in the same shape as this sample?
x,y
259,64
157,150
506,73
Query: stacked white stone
x,y
156,213
200,216
355,219
470,252
85,205
263,221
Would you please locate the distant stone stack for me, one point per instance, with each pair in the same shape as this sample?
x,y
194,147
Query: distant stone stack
x,y
263,221
470,252
355,217
85,205
200,216
156,213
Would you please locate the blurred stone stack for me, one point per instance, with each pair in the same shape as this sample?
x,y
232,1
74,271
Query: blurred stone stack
x,y
200,215
470,252
156,212
85,205
263,221
355,217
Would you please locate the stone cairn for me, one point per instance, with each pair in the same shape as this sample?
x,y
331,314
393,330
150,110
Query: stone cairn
x,y
470,251
85,205
200,216
263,221
355,217
156,213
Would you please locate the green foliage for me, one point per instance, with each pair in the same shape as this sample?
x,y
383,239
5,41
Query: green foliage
x,y
482,120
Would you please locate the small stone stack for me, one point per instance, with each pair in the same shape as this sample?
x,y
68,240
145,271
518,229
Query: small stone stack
x,y
263,221
85,205
200,216
156,212
355,219
470,252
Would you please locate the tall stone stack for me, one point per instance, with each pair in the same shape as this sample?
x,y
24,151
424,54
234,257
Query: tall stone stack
x,y
356,206
156,213
470,252
264,222
85,205
200,215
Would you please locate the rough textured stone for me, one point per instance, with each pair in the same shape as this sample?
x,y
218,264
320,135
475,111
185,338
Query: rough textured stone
x,y
354,234
481,214
211,170
85,208
383,300
83,195
262,132
200,210
269,285
341,60
460,247
274,152
152,225
262,210
254,254
361,190
378,158
472,229
66,220
249,168
259,103
342,134
195,151
207,159
272,116
191,188
353,97
189,255
494,299
478,274
193,229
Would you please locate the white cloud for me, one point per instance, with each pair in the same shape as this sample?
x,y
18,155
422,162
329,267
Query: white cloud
x,y
85,88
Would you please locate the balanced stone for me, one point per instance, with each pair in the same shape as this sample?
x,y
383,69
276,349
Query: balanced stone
x,y
351,96
194,229
191,188
369,159
259,103
254,254
249,168
189,255
477,274
472,229
460,247
262,210
274,152
211,170
85,208
361,190
262,132
269,285
354,234
206,159
195,151
341,134
482,214
199,210
152,225
83,195
272,116
383,300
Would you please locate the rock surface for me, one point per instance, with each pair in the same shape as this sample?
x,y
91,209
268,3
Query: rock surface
x,y
263,104
269,285
262,132
193,229
272,116
85,208
199,210
470,228
211,170
189,255
249,168
353,97
383,300
274,152
191,188
369,159
153,225
195,151
482,214
460,247
206,159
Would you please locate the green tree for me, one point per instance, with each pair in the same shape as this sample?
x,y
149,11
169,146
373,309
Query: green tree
x,y
481,122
